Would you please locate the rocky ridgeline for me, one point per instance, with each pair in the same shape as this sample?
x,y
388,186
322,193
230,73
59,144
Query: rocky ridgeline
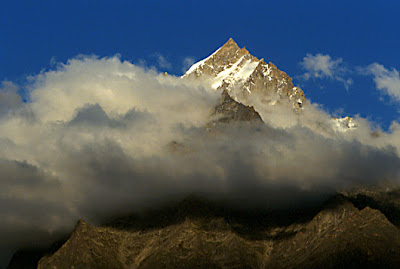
x,y
234,69
245,78
228,110
195,233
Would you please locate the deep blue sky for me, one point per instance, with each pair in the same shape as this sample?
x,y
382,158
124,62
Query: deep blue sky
x,y
32,33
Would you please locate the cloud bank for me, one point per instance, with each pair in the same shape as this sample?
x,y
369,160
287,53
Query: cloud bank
x,y
95,139
9,97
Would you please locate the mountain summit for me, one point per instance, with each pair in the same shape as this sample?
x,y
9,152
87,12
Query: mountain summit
x,y
253,82
234,69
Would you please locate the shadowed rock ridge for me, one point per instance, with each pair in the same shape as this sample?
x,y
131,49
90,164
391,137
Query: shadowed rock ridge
x,y
195,233
229,110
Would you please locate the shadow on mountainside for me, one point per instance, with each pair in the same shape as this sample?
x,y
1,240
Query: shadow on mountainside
x,y
198,233
248,223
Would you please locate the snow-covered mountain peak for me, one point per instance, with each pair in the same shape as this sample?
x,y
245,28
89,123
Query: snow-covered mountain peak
x,y
240,73
220,60
253,82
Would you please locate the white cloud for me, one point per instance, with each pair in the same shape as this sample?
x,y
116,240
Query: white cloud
x,y
387,81
162,62
321,66
187,63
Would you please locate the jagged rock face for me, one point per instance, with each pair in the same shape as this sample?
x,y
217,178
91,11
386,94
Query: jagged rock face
x,y
204,235
224,57
254,82
234,69
188,243
88,247
346,237
228,110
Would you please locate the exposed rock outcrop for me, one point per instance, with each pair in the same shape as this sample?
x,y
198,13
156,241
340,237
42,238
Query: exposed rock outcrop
x,y
199,234
229,110
234,69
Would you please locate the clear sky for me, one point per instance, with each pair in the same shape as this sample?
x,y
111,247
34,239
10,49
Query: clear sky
x,y
344,54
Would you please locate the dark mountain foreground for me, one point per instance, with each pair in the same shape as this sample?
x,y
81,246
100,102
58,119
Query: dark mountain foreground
x,y
344,232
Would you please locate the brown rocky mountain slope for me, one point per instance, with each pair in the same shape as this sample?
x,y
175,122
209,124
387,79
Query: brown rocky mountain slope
x,y
228,110
195,233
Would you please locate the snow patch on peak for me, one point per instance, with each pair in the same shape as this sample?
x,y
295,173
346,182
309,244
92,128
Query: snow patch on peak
x,y
199,64
344,124
236,70
239,71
